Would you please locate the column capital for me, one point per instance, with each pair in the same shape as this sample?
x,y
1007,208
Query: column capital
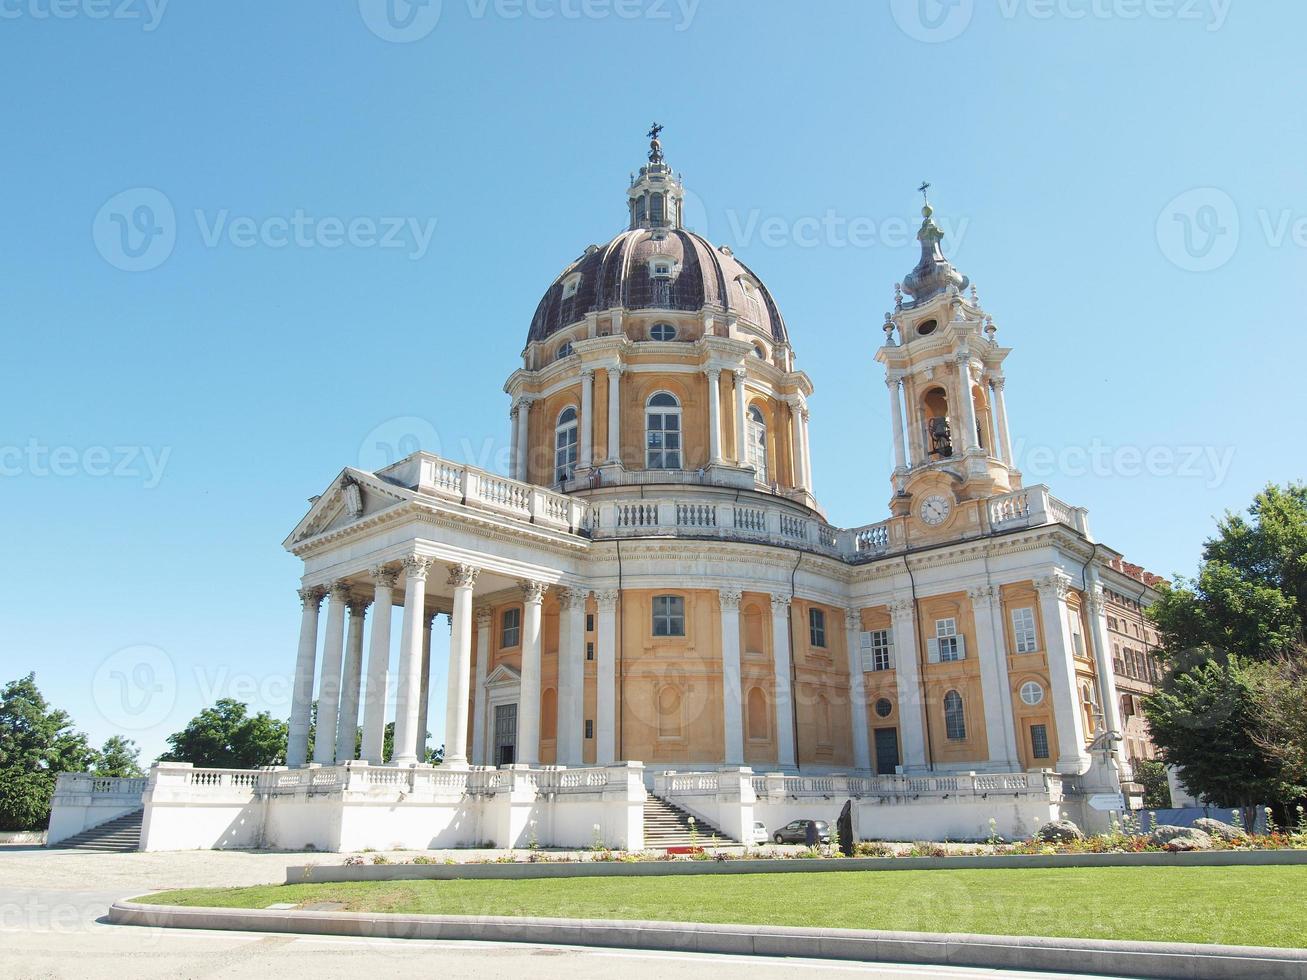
x,y
385,576
893,381
532,592
741,374
339,591
1096,598
587,373
982,594
311,596
730,598
780,602
429,618
1057,586
714,372
358,606
483,615
998,382
416,567
853,620
607,599
572,598
616,369
463,576
901,608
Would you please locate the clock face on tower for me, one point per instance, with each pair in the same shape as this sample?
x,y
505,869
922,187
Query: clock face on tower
x,y
935,509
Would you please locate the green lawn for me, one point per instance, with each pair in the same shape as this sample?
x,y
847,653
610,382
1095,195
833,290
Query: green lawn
x,y
1238,906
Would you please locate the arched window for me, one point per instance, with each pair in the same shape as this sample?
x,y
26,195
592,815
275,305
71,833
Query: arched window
x,y
955,722
758,716
757,436
565,445
662,427
760,352
564,350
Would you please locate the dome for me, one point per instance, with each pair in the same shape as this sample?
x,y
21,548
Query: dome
x,y
656,269
656,264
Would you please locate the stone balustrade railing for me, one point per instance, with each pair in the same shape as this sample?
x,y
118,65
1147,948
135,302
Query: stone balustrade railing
x,y
98,787
953,785
762,518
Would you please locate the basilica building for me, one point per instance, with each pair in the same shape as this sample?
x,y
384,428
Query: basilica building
x,y
652,603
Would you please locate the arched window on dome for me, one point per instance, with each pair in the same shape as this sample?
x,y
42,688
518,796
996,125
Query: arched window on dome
x,y
760,352
757,436
565,437
955,719
564,350
662,429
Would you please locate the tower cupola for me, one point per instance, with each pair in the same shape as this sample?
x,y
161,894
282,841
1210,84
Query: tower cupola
x,y
933,273
655,196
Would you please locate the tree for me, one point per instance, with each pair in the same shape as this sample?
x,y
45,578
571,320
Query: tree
x,y
1279,692
1151,774
119,756
1219,633
37,743
224,737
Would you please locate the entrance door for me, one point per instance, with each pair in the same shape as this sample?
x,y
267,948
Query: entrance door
x,y
887,751
505,734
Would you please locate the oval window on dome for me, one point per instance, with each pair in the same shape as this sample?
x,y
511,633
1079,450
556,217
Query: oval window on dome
x,y
926,328
564,350
662,331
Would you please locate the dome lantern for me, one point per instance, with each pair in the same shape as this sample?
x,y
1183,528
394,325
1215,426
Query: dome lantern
x,y
655,196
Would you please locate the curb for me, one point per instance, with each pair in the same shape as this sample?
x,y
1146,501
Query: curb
x,y
1156,961
299,874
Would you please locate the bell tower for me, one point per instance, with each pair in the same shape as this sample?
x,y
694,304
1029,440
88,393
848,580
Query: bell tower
x,y
944,370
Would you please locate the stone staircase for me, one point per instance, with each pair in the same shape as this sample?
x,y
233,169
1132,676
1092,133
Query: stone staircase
x,y
666,825
120,834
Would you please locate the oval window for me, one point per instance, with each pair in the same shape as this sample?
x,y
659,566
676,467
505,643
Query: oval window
x,y
884,707
1032,693
927,328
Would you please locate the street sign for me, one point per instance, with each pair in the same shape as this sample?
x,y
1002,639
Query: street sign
x,y
1107,801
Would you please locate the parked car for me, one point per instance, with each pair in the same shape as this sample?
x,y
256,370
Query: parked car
x,y
760,835
796,832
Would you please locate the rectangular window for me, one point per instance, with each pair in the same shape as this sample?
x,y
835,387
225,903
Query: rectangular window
x,y
510,632
1023,630
1039,741
817,627
589,728
589,622
668,615
1077,637
947,640
589,651
877,650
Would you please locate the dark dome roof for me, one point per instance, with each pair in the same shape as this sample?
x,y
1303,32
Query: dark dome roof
x,y
619,274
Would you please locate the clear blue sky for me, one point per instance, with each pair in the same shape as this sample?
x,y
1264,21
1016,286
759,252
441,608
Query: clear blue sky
x,y
254,370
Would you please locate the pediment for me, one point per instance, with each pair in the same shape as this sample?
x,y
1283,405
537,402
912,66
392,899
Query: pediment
x,y
503,676
352,497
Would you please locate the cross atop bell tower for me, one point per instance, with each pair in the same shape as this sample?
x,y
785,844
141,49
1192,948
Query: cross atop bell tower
x,y
655,196
944,370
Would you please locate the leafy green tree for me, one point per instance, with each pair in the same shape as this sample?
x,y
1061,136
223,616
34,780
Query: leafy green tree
x,y
1151,774
1279,692
225,737
1220,632
37,743
118,756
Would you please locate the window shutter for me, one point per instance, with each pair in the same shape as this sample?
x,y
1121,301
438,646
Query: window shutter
x,y
864,644
932,650
962,646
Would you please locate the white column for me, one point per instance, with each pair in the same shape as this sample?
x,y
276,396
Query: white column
x,y
347,725
741,428
796,443
571,677
1072,757
374,708
424,687
995,687
586,459
807,446
606,679
463,578
732,690
857,690
911,690
479,696
614,414
333,653
528,710
968,406
523,439
416,568
896,417
1000,409
301,701
714,416
514,439
1108,695
780,639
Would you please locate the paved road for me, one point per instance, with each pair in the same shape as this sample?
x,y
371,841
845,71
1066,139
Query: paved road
x,y
52,905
